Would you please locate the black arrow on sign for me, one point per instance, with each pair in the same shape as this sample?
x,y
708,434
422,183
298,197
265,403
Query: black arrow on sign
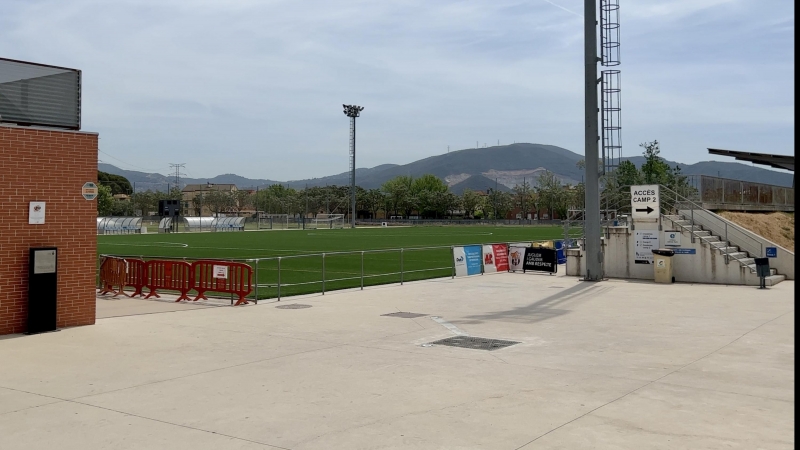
x,y
647,210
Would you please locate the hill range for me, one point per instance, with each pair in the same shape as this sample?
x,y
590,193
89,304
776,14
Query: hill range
x,y
501,167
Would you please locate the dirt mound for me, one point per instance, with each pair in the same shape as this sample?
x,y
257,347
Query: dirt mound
x,y
778,227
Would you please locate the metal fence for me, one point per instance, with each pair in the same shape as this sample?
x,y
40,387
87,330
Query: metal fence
x,y
281,276
443,222
723,193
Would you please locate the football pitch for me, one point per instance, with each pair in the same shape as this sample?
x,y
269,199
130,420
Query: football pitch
x,y
291,262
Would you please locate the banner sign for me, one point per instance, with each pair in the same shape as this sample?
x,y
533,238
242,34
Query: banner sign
x,y
672,238
645,242
540,259
645,203
220,271
685,251
561,255
467,260
515,257
495,258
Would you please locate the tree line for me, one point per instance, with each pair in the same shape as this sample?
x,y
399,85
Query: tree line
x,y
426,197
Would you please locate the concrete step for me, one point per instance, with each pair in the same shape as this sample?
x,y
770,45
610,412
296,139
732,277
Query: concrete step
x,y
772,270
772,280
737,255
709,239
702,233
673,217
746,262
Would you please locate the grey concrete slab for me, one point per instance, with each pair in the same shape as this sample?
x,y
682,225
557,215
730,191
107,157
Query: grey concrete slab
x,y
108,306
670,417
615,364
72,426
13,400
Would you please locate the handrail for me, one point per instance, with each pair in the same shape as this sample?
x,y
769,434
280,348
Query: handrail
x,y
724,226
673,202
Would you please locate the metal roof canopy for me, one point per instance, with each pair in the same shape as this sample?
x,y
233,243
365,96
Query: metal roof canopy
x,y
785,162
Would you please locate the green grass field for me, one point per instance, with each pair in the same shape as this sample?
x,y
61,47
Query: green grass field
x,y
301,263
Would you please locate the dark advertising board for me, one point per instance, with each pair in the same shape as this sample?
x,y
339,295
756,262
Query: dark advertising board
x,y
540,260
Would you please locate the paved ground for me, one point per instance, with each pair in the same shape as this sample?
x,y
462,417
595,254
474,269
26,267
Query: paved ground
x,y
608,365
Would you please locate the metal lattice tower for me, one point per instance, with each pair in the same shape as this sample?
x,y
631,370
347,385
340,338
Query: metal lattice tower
x,y
352,111
178,173
610,85
611,111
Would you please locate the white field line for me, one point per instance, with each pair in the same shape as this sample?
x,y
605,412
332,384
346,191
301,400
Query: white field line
x,y
453,329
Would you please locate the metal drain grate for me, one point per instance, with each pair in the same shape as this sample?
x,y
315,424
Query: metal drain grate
x,y
404,315
293,306
477,343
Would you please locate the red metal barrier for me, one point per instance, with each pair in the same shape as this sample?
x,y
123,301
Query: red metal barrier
x,y
137,276
224,277
112,273
171,275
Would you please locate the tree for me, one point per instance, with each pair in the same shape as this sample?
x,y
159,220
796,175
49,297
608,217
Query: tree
x,y
397,191
522,197
117,183
374,200
550,192
219,201
105,200
470,201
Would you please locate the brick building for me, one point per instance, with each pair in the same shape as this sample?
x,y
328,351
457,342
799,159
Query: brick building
x,y
50,166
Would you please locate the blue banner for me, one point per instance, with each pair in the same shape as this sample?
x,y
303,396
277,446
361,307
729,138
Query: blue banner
x,y
474,256
772,252
561,257
684,251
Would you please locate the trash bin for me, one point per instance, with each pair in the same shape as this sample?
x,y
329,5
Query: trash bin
x,y
662,265
762,270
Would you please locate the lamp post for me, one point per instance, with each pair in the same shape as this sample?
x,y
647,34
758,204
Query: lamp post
x,y
352,111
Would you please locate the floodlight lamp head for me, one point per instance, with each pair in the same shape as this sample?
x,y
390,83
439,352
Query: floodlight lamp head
x,y
352,110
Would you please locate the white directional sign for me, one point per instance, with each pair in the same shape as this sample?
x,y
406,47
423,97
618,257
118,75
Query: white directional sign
x,y
645,202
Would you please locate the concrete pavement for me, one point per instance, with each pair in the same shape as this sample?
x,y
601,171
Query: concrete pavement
x,y
610,365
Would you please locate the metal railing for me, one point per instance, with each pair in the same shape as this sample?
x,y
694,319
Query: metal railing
x,y
282,276
690,207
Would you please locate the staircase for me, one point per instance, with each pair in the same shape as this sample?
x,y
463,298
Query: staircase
x,y
733,254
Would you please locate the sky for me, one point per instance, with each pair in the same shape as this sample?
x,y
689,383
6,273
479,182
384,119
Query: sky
x,y
256,87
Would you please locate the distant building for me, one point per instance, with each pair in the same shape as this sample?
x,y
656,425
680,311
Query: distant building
x,y
193,194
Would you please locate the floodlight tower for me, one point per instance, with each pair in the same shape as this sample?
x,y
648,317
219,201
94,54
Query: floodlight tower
x,y
609,56
352,111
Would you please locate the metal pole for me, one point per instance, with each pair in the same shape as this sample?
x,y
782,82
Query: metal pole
x,y
726,243
323,274
401,266
453,261
256,301
353,175
594,266
279,278
362,271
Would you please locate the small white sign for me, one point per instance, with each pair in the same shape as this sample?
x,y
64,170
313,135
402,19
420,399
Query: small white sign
x,y
645,202
89,190
44,261
220,272
36,213
645,242
672,238
661,263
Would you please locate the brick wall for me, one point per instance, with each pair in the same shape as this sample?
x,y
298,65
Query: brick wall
x,y
49,166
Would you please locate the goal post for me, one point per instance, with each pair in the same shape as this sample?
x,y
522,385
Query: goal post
x,y
327,221
273,221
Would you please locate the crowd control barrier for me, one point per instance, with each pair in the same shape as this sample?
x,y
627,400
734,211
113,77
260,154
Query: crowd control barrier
x,y
112,273
224,277
137,276
171,275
